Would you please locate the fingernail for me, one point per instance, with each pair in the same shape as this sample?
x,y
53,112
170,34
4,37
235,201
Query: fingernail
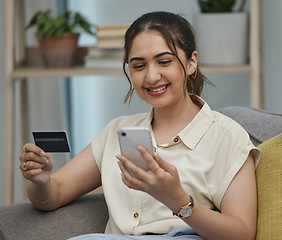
x,y
139,148
43,153
118,157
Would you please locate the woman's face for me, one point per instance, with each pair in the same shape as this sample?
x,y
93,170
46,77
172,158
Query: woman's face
x,y
156,73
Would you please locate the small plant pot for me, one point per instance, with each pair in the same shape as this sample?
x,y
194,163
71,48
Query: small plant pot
x,y
59,52
222,38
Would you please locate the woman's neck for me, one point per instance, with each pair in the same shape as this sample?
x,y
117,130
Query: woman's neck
x,y
168,122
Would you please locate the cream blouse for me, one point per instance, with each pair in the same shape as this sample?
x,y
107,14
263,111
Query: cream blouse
x,y
208,153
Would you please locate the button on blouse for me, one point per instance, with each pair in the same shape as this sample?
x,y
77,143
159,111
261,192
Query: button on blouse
x,y
176,139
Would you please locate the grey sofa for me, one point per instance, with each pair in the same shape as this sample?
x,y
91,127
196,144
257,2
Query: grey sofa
x,y
89,214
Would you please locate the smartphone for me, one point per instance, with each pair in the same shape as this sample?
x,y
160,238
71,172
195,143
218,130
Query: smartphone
x,y
129,139
52,141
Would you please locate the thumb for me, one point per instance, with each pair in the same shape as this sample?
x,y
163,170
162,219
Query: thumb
x,y
49,161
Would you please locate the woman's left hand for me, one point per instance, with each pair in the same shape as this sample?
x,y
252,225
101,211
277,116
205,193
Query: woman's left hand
x,y
161,182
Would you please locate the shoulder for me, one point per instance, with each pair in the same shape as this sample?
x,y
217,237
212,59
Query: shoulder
x,y
229,126
219,124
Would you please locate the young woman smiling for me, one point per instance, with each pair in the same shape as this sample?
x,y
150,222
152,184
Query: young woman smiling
x,y
201,182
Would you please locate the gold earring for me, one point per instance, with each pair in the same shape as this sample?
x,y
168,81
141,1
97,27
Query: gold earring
x,y
194,74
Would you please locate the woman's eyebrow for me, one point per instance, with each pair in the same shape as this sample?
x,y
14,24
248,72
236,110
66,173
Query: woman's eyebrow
x,y
136,59
164,53
157,56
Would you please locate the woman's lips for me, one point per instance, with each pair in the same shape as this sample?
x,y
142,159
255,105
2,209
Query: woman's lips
x,y
158,90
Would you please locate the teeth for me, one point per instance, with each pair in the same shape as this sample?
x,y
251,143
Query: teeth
x,y
156,90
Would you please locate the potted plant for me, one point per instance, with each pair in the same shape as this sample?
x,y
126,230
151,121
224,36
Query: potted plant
x,y
58,36
222,32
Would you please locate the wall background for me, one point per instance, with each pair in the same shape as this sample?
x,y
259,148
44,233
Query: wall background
x,y
2,96
230,89
272,37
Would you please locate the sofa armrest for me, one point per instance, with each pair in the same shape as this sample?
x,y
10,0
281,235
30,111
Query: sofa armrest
x,y
87,214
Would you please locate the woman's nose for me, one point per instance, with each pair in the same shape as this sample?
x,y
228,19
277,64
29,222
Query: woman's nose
x,y
152,75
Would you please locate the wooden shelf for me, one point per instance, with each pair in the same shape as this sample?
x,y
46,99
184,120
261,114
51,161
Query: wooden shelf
x,y
33,66
31,71
226,69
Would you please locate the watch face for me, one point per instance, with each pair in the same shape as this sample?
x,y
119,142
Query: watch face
x,y
186,211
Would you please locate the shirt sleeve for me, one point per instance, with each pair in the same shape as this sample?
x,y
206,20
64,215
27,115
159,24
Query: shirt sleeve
x,y
98,145
237,147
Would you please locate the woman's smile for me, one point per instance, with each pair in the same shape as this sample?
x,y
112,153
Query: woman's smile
x,y
158,90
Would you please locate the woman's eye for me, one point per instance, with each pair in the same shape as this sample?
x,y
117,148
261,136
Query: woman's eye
x,y
164,62
139,66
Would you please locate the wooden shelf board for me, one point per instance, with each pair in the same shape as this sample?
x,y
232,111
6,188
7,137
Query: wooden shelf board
x,y
225,69
33,66
26,72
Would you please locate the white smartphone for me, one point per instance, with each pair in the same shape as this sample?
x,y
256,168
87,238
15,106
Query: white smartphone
x,y
129,139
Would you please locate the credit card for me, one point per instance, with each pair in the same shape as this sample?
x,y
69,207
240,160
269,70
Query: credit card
x,y
52,141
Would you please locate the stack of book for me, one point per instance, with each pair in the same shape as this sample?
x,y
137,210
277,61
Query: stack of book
x,y
108,53
111,36
98,58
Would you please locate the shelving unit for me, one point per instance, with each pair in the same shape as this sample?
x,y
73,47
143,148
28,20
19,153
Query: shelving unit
x,y
18,71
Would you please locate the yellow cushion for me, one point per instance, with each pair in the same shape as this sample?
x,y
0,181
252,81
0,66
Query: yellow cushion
x,y
269,187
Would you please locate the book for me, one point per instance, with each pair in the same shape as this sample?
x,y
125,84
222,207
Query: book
x,y
110,42
94,52
98,58
104,63
111,36
116,30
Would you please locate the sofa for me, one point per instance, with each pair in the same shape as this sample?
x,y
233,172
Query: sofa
x,y
88,214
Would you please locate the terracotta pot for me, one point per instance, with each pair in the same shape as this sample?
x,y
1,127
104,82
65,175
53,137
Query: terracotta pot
x,y
59,52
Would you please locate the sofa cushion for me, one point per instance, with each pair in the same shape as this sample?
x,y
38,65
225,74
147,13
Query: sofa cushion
x,y
260,125
85,215
269,182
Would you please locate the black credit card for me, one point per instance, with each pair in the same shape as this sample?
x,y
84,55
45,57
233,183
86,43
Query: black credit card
x,y
52,141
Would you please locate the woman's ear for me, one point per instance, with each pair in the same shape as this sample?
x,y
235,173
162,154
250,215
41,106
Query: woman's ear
x,y
192,63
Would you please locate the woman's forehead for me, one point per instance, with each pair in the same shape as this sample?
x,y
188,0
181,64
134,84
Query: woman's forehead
x,y
148,41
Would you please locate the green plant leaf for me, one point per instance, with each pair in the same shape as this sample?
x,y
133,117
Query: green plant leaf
x,y
216,5
66,22
33,20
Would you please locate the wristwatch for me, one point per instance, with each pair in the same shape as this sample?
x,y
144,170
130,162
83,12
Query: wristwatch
x,y
186,210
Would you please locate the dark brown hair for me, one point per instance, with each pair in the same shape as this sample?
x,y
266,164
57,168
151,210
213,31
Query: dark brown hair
x,y
177,32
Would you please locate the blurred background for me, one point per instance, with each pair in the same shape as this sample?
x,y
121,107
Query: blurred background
x,y
83,105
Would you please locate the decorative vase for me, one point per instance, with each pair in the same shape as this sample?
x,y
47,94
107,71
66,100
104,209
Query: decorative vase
x,y
222,38
59,52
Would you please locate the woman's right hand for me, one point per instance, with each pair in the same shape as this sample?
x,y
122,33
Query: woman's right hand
x,y
35,164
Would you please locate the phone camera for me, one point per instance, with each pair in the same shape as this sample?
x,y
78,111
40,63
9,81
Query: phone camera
x,y
123,134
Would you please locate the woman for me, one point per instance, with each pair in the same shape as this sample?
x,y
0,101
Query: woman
x,y
202,177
